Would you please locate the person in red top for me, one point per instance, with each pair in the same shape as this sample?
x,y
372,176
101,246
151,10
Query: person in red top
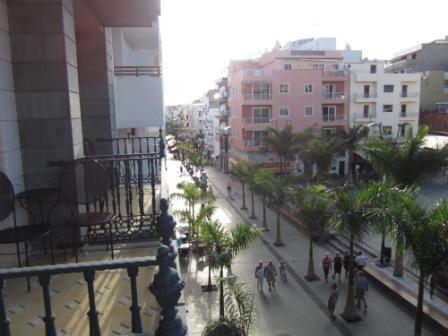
x,y
326,264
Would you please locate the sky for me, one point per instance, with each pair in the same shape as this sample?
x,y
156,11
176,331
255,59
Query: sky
x,y
199,37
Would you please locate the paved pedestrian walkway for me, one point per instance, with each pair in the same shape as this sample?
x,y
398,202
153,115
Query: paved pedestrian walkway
x,y
385,316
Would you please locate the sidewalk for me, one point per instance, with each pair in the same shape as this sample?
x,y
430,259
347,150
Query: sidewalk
x,y
385,316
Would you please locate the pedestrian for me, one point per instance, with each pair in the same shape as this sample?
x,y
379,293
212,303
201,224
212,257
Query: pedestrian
x,y
259,275
362,286
337,266
326,264
270,273
360,261
346,262
432,285
334,294
181,168
229,190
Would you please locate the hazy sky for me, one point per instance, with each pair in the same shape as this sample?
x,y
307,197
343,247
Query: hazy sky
x,y
199,37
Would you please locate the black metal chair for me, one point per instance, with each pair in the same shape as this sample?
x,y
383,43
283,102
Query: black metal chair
x,y
84,183
19,234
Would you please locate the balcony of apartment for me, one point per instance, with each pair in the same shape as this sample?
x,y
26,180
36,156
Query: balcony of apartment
x,y
96,281
223,130
257,122
336,119
411,116
334,97
366,97
334,75
253,144
257,98
223,112
409,96
364,117
366,77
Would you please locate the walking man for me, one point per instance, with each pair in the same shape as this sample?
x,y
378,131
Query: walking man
x,y
360,261
259,275
229,191
270,273
334,294
346,262
326,264
337,265
362,286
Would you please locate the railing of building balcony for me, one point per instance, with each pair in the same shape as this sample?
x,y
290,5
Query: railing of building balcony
x,y
137,70
131,197
409,95
408,115
333,118
358,95
333,95
131,145
253,143
365,115
334,73
257,96
45,273
256,120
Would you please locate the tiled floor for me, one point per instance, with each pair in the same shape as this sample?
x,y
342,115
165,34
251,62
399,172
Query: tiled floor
x,y
70,302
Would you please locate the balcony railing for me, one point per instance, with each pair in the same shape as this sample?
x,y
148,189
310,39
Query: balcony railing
x,y
333,119
365,115
253,143
138,70
334,95
409,95
334,73
367,95
256,121
409,115
257,96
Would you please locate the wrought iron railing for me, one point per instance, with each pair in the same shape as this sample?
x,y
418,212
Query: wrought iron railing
x,y
45,273
132,145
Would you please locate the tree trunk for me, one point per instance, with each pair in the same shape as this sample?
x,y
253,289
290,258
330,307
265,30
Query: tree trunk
x,y
221,294
399,255
278,239
383,238
209,277
311,275
243,207
350,314
419,317
265,223
252,216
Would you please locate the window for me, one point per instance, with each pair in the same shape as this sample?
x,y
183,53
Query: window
x,y
317,66
445,82
258,137
388,88
308,88
403,110
414,56
387,108
261,114
366,111
329,113
387,130
328,132
261,91
284,88
284,112
308,111
287,66
373,68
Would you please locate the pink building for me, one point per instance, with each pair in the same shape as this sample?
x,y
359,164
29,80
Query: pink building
x,y
307,88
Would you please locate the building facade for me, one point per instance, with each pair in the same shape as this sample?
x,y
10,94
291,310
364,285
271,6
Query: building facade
x,y
389,100
304,88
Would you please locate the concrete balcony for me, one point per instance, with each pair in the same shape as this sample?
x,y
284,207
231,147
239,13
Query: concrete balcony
x,y
257,98
223,130
222,114
257,122
409,116
334,120
253,143
409,96
334,75
364,117
334,97
364,97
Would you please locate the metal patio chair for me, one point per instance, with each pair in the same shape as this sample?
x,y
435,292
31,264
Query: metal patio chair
x,y
84,184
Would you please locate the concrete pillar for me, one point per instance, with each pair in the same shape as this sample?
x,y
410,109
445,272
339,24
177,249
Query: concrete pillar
x,y
43,46
96,80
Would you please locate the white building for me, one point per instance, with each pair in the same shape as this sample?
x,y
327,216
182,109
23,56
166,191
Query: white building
x,y
390,101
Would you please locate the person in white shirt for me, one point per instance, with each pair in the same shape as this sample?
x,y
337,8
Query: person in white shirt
x,y
360,261
259,275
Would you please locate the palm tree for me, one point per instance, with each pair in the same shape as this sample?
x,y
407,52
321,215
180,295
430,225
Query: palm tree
x,y
351,216
263,185
284,142
312,210
240,172
321,152
240,314
192,195
426,234
252,170
278,195
225,247
350,140
406,163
